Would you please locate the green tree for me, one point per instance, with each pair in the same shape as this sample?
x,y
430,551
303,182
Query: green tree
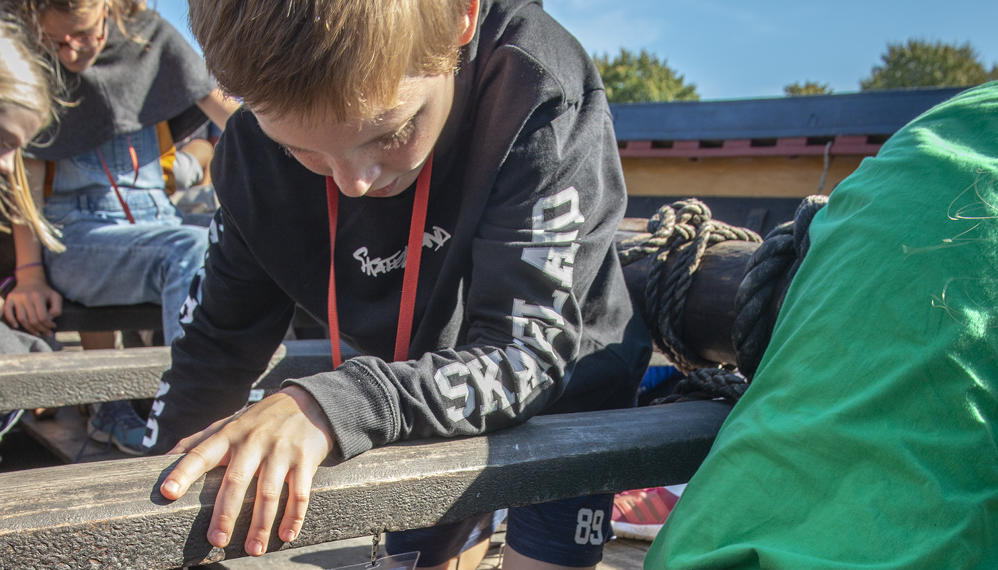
x,y
919,63
631,78
808,88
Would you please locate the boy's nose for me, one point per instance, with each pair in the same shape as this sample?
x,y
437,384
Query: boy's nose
x,y
355,179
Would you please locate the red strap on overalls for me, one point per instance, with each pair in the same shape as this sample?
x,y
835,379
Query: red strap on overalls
x,y
410,277
117,192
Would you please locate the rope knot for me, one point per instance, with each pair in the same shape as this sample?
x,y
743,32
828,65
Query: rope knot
x,y
678,234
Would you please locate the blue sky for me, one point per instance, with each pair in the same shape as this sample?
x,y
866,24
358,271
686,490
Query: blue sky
x,y
752,48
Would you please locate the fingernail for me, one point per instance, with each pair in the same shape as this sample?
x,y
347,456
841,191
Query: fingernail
x,y
171,487
288,536
218,538
255,548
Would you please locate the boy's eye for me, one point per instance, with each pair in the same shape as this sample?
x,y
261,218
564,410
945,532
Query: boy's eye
x,y
399,137
292,152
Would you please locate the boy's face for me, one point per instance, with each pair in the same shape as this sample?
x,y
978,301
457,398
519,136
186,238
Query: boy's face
x,y
377,157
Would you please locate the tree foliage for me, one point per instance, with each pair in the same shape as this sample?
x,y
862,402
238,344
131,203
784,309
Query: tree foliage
x,y
808,88
631,78
919,63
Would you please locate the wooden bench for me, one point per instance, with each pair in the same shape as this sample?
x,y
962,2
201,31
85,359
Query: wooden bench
x,y
66,379
111,514
142,316
48,380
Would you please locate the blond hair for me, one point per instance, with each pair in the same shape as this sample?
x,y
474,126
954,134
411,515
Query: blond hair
x,y
310,58
26,81
121,10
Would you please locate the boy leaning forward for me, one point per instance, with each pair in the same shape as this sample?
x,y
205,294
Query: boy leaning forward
x,y
440,181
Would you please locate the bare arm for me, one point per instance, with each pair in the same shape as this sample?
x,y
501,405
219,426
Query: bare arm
x,y
32,304
218,107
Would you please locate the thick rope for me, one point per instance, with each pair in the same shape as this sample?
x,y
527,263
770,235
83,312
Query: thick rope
x,y
770,270
707,384
679,233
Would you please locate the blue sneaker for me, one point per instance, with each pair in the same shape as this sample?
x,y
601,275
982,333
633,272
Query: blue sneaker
x,y
118,423
7,421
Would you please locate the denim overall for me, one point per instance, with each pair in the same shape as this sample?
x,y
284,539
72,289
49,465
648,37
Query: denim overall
x,y
108,260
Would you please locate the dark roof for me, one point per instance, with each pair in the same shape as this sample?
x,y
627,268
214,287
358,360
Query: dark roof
x,y
866,113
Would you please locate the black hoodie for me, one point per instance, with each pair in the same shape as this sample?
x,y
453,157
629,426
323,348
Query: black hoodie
x,y
521,306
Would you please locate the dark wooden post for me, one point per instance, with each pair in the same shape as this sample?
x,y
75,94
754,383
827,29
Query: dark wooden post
x,y
710,302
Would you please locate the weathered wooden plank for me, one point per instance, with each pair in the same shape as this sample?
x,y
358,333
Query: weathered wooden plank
x,y
142,316
49,380
110,514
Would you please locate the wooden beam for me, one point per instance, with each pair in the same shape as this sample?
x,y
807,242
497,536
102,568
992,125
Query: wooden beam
x,y
141,316
76,317
49,380
710,309
110,514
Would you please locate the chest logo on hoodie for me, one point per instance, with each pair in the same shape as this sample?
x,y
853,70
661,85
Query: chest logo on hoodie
x,y
375,266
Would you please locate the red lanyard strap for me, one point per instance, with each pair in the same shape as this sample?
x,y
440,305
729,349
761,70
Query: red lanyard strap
x,y
117,192
410,277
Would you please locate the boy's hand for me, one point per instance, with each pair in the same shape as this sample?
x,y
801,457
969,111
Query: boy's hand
x,y
32,304
282,438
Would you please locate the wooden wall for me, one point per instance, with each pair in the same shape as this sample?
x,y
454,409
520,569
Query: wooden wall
x,y
748,177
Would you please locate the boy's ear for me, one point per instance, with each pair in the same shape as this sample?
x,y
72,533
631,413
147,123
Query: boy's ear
x,y
469,23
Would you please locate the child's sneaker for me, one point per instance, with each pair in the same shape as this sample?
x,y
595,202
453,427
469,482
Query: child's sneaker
x,y
7,421
118,423
640,514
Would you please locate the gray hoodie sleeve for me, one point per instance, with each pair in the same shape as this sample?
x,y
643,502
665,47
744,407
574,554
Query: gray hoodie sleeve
x,y
233,322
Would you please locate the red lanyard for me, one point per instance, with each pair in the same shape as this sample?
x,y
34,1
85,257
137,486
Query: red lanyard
x,y
117,192
410,277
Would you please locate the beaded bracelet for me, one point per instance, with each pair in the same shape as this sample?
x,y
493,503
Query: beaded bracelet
x,y
27,265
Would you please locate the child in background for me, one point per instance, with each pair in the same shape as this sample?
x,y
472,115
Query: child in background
x,y
131,77
194,195
26,106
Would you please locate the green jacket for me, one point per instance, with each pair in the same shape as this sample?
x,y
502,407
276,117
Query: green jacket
x,y
867,439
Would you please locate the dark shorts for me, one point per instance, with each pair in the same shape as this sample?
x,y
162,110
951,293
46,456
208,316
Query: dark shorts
x,y
570,532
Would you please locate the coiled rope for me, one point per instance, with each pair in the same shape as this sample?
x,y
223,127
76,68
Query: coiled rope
x,y
770,270
680,233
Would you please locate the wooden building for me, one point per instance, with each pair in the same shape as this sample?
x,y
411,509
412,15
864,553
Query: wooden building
x,y
752,160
